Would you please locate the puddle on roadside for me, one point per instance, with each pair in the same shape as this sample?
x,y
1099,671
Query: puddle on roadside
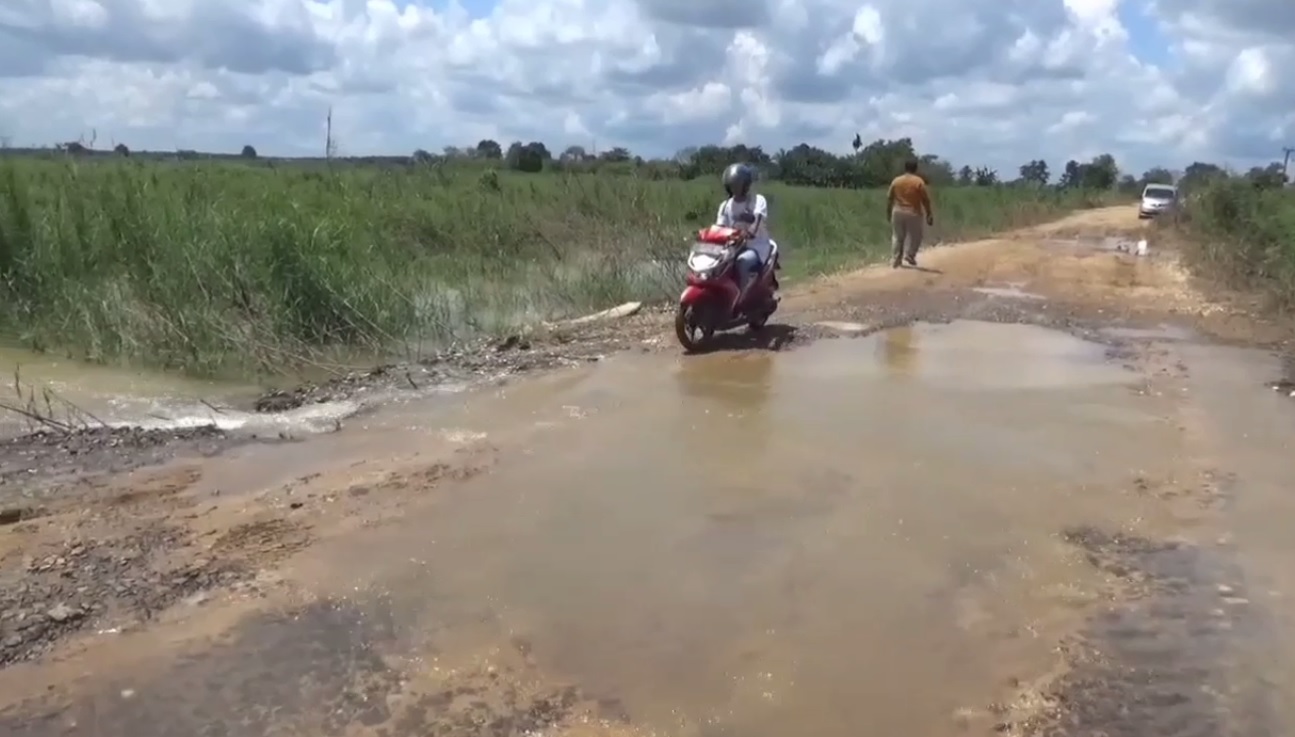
x,y
1163,332
1115,244
839,326
960,356
858,536
88,395
979,355
81,394
1010,291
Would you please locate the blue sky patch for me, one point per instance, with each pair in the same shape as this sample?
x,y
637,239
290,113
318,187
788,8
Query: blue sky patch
x,y
475,8
1147,42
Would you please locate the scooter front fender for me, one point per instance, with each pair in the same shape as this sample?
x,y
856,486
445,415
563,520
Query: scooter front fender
x,y
722,293
692,294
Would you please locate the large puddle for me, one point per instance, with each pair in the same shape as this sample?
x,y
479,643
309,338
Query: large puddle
x,y
857,537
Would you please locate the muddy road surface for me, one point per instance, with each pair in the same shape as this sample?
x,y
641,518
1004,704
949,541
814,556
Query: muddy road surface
x,y
1039,487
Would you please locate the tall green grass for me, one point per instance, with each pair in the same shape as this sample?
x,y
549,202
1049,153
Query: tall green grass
x,y
1243,236
222,267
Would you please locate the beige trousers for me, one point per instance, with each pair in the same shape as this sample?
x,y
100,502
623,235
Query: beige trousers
x,y
905,226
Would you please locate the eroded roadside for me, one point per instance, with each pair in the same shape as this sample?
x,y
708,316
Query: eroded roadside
x,y
1147,625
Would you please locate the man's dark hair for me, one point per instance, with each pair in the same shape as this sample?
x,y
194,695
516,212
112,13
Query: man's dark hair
x,y
910,166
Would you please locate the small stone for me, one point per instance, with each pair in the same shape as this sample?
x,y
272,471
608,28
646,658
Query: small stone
x,y
63,613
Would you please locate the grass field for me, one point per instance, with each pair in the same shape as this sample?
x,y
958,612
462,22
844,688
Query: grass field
x,y
1244,236
214,268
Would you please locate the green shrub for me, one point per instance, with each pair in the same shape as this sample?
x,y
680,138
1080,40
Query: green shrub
x,y
1244,235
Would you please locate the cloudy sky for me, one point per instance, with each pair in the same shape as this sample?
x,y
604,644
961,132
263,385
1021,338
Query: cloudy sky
x,y
979,81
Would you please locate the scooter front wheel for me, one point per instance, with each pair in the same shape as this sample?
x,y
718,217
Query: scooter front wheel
x,y
692,328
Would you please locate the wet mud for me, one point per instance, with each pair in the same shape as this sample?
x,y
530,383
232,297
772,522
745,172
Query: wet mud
x,y
513,355
1285,383
33,461
1160,658
102,554
327,668
100,584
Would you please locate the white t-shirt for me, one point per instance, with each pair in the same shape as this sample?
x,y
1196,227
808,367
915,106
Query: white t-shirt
x,y
730,216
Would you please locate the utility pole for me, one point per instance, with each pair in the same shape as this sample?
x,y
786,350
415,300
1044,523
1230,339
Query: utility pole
x,y
328,134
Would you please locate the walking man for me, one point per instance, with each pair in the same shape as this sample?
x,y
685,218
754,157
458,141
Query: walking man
x,y
906,204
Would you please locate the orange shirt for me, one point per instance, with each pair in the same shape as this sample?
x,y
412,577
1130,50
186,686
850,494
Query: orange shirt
x,y
909,192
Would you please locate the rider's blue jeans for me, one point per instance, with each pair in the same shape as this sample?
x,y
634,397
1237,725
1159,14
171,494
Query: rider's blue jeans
x,y
748,267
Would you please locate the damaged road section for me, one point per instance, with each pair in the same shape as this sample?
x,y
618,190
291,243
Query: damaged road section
x,y
99,584
1161,659
33,463
48,454
329,667
48,472
513,355
104,556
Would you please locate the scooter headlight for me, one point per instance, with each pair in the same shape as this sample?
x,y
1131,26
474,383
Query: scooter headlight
x,y
702,264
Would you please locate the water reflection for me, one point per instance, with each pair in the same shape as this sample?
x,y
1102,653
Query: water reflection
x,y
740,385
898,348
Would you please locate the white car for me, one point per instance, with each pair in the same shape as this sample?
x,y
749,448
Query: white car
x,y
1156,199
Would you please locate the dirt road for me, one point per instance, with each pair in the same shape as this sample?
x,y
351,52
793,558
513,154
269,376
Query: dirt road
x,y
1038,487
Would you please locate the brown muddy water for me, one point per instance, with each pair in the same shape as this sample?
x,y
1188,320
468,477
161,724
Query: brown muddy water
x,y
967,528
108,393
84,395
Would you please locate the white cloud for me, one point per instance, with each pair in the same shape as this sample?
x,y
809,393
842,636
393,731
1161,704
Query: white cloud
x,y
979,81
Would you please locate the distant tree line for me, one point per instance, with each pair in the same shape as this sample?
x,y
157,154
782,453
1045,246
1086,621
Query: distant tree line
x,y
867,165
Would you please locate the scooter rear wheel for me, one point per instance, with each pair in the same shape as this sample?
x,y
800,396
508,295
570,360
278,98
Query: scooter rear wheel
x,y
757,321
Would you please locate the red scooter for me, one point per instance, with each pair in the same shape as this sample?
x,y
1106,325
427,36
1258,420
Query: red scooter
x,y
710,303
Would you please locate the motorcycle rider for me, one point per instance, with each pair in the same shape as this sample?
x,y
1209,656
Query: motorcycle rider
x,y
749,212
